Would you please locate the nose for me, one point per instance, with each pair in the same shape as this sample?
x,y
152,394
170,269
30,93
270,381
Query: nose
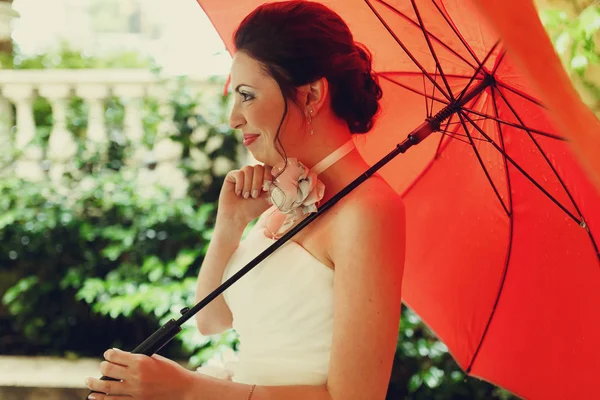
x,y
236,119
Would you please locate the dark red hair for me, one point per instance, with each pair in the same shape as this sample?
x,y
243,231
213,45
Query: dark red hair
x,y
299,42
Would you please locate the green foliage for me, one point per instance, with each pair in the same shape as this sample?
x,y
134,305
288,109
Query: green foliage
x,y
424,369
67,57
107,257
575,40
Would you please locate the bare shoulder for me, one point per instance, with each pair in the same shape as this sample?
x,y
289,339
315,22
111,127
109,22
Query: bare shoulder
x,y
373,212
373,201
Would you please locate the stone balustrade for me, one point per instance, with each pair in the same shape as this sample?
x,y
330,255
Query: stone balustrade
x,y
20,88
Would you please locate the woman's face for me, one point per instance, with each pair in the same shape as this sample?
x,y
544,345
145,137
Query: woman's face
x,y
258,109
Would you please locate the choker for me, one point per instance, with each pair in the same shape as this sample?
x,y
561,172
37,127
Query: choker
x,y
296,191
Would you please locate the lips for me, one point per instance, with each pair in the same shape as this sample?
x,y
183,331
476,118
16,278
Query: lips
x,y
249,138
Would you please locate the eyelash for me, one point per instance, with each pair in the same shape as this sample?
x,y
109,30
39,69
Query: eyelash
x,y
246,96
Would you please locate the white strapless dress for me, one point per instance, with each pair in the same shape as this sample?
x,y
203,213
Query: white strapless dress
x,y
283,313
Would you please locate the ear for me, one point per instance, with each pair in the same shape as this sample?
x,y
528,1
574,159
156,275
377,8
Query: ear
x,y
314,95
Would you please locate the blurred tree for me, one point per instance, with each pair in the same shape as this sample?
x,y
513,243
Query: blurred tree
x,y
574,28
6,15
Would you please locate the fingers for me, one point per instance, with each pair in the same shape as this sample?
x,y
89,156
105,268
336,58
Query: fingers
x,y
268,179
121,357
100,396
111,370
257,180
164,359
237,179
249,173
250,181
107,387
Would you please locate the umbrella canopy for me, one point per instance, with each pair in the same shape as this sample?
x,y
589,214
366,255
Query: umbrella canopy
x,y
523,34
503,225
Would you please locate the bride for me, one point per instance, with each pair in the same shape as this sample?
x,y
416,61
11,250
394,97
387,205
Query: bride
x,y
318,319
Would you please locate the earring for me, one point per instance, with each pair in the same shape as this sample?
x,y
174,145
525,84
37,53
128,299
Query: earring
x,y
309,116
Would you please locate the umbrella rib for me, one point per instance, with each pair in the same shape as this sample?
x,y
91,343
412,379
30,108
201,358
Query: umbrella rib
x,y
522,127
459,36
414,90
430,112
485,170
453,135
518,167
408,53
554,171
475,119
440,42
498,62
478,70
439,146
414,73
510,241
426,103
523,95
431,50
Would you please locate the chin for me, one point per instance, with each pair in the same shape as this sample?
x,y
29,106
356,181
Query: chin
x,y
263,158
257,156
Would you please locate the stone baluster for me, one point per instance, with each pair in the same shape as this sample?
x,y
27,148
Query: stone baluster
x,y
6,120
28,164
61,145
132,95
95,95
166,126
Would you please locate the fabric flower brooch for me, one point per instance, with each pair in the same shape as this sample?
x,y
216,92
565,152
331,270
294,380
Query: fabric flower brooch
x,y
295,192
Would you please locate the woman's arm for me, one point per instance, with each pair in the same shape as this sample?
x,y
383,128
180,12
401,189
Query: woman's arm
x,y
368,253
208,388
216,316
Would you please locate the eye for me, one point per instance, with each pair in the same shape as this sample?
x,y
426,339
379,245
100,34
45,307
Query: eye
x,y
246,96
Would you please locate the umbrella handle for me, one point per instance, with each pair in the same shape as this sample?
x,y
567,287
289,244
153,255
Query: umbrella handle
x,y
154,342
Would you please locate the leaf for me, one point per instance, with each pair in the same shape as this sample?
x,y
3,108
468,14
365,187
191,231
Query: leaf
x,y
589,20
92,288
415,383
155,274
433,377
181,264
71,279
151,263
112,252
22,286
563,42
7,218
579,63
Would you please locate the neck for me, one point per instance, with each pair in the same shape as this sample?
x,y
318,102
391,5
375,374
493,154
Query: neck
x,y
337,176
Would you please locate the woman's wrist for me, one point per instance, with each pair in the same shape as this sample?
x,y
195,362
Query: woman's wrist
x,y
230,225
193,390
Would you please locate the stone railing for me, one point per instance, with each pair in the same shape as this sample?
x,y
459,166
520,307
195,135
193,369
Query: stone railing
x,y
19,89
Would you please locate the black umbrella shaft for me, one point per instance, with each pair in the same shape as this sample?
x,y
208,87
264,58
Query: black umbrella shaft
x,y
166,333
436,121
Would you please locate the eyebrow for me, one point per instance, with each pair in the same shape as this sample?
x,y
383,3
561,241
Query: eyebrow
x,y
237,88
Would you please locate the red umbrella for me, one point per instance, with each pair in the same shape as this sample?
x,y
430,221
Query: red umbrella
x,y
503,224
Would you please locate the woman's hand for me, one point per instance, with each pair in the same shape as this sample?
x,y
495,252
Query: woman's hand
x,y
141,377
243,196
